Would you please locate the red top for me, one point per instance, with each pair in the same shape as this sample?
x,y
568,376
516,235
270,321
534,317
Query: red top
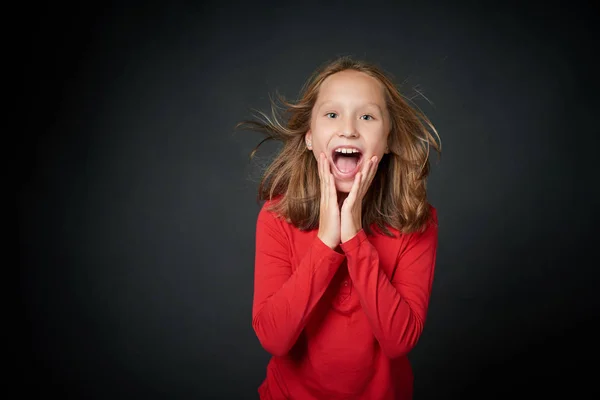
x,y
339,324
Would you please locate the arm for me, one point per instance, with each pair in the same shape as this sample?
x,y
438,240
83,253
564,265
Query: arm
x,y
396,309
284,300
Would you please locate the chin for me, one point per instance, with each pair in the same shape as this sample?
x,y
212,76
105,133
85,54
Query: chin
x,y
343,186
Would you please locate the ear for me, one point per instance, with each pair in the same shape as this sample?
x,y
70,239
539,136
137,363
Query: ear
x,y
387,142
308,140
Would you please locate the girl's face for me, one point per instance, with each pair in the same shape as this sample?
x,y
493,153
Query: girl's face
x,y
350,123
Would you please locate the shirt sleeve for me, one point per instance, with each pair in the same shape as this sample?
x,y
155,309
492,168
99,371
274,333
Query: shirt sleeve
x,y
396,308
283,300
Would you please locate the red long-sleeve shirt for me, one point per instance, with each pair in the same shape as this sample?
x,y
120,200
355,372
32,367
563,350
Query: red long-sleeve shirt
x,y
339,324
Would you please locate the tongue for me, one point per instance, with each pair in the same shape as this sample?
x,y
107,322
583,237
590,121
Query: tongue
x,y
346,164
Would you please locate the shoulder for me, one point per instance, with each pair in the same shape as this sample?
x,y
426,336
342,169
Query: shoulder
x,y
271,226
422,240
433,216
267,213
430,224
429,231
268,205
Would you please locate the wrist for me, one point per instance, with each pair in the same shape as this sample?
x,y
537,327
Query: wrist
x,y
349,236
350,232
327,242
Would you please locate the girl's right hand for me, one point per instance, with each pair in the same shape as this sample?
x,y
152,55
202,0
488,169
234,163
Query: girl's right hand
x,y
329,215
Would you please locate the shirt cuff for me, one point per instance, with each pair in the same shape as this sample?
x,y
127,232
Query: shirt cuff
x,y
327,251
354,242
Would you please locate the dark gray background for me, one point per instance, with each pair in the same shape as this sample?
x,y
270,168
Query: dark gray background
x,y
136,201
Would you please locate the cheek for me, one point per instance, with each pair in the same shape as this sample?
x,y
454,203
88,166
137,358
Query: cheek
x,y
319,143
317,150
382,143
379,145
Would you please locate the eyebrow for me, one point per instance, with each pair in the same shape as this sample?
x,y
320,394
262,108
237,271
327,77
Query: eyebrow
x,y
331,102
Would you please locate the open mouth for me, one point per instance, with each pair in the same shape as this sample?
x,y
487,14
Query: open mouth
x,y
346,160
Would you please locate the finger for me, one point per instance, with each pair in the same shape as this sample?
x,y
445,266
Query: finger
x,y
364,176
366,168
323,178
320,162
354,191
332,189
369,174
356,187
319,171
324,169
373,170
319,166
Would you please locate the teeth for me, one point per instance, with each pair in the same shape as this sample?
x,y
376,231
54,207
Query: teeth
x,y
346,150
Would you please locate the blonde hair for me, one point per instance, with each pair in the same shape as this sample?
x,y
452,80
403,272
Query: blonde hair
x,y
397,196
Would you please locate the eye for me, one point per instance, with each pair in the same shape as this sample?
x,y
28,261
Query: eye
x,y
331,115
367,117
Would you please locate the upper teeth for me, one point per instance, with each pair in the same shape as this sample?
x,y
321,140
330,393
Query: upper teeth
x,y
346,150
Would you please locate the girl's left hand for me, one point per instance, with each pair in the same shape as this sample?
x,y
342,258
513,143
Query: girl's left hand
x,y
351,212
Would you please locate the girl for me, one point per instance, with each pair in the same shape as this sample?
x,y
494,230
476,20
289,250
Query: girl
x,y
346,240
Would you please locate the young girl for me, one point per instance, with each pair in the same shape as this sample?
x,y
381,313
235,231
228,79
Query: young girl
x,y
346,240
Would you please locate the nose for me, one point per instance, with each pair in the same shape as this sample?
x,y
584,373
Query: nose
x,y
348,128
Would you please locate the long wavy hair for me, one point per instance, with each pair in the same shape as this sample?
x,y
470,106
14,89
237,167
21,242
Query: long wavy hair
x,y
397,197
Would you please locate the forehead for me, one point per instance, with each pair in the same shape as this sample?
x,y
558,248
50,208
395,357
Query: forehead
x,y
351,84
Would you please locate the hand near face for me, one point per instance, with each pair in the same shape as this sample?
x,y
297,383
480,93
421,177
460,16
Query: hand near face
x,y
329,215
351,212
